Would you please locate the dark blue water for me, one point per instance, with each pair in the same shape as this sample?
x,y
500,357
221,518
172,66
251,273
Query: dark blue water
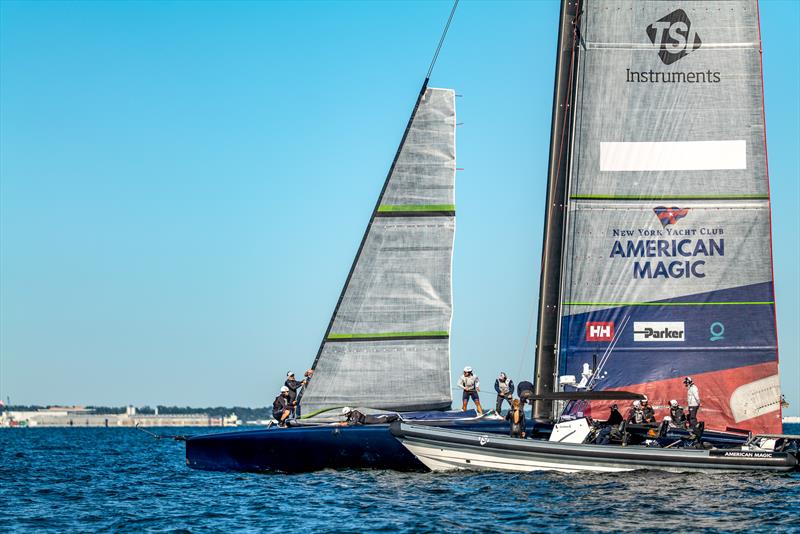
x,y
121,480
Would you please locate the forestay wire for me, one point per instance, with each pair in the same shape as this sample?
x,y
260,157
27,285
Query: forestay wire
x,y
441,40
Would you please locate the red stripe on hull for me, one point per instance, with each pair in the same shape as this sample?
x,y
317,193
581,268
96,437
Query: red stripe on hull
x,y
715,388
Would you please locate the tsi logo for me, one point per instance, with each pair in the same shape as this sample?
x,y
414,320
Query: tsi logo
x,y
674,36
658,331
599,331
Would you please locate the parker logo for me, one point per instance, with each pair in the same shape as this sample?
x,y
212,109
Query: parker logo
x,y
597,331
658,331
669,216
674,36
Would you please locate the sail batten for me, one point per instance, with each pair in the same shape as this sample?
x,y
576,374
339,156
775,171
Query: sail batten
x,y
389,333
668,239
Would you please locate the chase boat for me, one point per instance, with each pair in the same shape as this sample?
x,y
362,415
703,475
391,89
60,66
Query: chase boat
x,y
443,449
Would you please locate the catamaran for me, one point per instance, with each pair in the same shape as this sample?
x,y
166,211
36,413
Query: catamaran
x,y
390,329
657,260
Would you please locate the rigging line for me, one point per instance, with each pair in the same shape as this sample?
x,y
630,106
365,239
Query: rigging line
x,y
441,40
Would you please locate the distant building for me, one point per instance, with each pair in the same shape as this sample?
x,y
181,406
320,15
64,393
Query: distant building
x,y
78,416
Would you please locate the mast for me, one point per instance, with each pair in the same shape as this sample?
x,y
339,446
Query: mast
x,y
557,177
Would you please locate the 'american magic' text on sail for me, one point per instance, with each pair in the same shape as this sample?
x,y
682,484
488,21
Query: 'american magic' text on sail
x,y
667,241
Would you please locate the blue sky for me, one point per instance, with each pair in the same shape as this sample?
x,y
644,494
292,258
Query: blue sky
x,y
183,185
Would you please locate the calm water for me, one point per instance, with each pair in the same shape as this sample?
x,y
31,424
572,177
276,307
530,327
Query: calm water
x,y
122,480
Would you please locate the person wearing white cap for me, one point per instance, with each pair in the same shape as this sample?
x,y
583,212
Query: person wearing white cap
x,y
648,411
692,400
504,387
471,386
676,415
282,407
636,415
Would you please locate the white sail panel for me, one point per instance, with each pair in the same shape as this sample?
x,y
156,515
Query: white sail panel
x,y
388,343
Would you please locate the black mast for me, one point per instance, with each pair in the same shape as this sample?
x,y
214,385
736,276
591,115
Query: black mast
x,y
560,140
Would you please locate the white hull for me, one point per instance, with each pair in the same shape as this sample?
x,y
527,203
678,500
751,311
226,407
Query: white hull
x,y
437,459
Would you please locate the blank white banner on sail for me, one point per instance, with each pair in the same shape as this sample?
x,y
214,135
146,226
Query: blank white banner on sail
x,y
673,156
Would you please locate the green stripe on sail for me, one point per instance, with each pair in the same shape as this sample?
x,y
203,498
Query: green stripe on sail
x,y
389,208
739,303
382,335
668,197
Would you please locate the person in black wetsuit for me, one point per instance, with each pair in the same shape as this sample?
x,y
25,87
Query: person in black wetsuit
x,y
282,407
516,417
614,417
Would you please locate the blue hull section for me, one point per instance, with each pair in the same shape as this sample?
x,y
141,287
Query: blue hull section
x,y
303,449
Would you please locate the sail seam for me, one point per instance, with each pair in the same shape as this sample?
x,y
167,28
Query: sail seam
x,y
413,207
669,197
737,303
389,336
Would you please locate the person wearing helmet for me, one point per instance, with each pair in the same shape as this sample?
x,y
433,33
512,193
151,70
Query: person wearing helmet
x,y
352,417
647,411
676,415
471,386
293,385
692,400
614,417
282,407
636,415
504,387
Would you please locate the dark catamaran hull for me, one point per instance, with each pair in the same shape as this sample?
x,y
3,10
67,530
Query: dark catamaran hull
x,y
312,448
447,449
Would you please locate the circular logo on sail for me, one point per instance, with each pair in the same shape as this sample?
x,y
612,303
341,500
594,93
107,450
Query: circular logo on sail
x,y
717,331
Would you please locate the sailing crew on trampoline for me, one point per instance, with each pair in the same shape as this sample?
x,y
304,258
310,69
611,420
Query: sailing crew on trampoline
x,y
353,417
282,407
692,400
648,412
676,415
504,387
636,414
471,386
516,416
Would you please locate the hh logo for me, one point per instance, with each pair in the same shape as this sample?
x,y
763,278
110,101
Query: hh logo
x,y
599,331
674,36
671,215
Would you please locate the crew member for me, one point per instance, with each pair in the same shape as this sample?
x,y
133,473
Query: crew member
x,y
676,415
293,386
614,418
282,407
516,416
647,411
636,415
471,386
692,400
504,387
353,417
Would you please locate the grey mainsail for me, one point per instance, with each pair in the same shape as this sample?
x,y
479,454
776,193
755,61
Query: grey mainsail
x,y
390,331
667,243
